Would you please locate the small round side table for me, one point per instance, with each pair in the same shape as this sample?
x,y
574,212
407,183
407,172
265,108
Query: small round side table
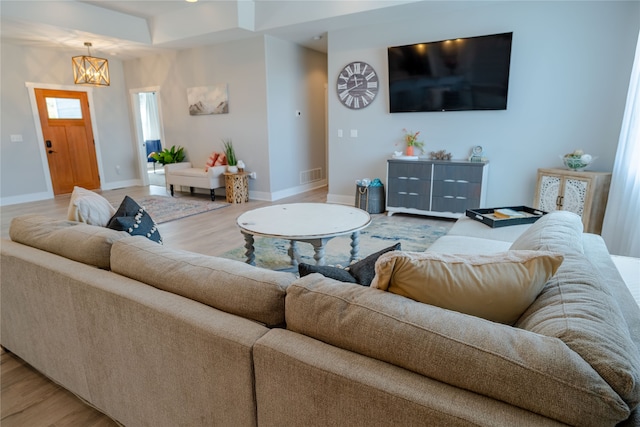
x,y
236,187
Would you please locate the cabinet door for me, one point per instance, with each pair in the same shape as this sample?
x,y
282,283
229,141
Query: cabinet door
x,y
456,188
574,194
548,192
409,185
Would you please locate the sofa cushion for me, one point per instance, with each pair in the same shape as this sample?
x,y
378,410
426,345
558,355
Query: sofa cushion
x,y
228,285
469,227
80,242
528,370
577,307
87,206
467,245
497,287
558,231
135,220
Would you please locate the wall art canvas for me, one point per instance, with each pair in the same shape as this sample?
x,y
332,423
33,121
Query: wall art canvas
x,y
208,100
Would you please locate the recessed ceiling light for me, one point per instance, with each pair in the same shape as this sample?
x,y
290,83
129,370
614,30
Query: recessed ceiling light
x,y
191,1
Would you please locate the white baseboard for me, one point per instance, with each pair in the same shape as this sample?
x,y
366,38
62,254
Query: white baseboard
x,y
121,184
25,198
341,199
294,191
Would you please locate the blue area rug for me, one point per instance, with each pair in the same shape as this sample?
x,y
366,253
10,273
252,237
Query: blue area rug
x,y
381,233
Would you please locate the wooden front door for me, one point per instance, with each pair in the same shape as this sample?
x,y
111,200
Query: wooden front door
x,y
68,136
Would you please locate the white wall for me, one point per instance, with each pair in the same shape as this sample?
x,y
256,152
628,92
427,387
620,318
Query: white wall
x,y
22,177
295,83
570,69
241,66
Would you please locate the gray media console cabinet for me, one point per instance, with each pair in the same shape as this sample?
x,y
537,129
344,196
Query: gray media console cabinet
x,y
445,188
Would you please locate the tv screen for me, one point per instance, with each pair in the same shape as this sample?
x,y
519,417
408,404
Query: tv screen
x,y
450,75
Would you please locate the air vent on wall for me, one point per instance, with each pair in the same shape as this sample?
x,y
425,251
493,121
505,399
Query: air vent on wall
x,y
310,175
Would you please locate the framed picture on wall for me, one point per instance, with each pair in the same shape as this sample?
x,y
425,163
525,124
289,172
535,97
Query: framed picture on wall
x,y
204,100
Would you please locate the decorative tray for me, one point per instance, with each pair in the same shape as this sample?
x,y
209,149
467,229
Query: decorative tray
x,y
510,215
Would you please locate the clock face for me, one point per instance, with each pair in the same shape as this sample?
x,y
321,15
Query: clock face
x,y
357,85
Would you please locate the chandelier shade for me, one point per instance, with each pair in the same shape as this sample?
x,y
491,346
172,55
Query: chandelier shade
x,y
89,70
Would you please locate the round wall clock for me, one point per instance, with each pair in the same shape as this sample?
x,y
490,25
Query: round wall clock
x,y
357,85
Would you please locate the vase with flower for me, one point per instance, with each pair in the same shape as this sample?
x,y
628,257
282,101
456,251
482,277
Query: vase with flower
x,y
411,139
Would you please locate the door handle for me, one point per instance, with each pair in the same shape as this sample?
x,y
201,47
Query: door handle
x,y
50,151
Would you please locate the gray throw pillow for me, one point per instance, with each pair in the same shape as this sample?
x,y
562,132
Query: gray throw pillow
x,y
331,272
364,271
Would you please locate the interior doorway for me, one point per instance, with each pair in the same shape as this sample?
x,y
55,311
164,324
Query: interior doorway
x,y
67,132
150,137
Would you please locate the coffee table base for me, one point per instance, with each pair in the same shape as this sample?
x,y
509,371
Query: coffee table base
x,y
318,248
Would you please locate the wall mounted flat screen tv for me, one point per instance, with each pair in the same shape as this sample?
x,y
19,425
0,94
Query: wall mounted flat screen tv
x,y
450,75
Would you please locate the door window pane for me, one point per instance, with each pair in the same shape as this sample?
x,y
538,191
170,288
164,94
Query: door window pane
x,y
64,108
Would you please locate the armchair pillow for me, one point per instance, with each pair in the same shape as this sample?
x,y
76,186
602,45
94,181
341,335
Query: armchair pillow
x,y
211,161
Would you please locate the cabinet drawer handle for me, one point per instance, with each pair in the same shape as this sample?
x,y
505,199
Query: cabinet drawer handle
x,y
461,198
448,197
462,181
414,178
414,194
402,192
449,180
402,177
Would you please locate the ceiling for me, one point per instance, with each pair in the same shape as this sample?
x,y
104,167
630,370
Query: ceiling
x,y
135,28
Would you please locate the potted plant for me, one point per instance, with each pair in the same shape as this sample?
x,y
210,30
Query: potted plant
x,y
411,138
169,155
229,151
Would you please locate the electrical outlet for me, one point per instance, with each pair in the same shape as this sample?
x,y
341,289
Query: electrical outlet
x,y
253,175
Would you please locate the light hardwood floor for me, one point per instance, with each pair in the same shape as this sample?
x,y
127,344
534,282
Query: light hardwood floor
x,y
28,398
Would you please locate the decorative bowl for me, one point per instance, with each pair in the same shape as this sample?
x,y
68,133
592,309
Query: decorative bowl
x,y
577,162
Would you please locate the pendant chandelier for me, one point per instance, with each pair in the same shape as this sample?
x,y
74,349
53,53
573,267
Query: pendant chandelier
x,y
89,70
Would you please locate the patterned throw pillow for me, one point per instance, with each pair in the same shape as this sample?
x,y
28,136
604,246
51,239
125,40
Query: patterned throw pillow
x,y
135,220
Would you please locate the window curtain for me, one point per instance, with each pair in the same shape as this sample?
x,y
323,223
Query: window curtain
x,y
149,116
621,227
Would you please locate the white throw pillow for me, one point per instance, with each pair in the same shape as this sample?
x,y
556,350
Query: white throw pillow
x,y
89,207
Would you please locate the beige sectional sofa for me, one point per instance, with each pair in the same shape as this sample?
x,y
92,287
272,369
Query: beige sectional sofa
x,y
154,336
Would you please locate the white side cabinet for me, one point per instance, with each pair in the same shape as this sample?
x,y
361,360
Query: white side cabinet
x,y
583,193
445,188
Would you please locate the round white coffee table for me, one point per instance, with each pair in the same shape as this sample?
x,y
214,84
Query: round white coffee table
x,y
313,223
